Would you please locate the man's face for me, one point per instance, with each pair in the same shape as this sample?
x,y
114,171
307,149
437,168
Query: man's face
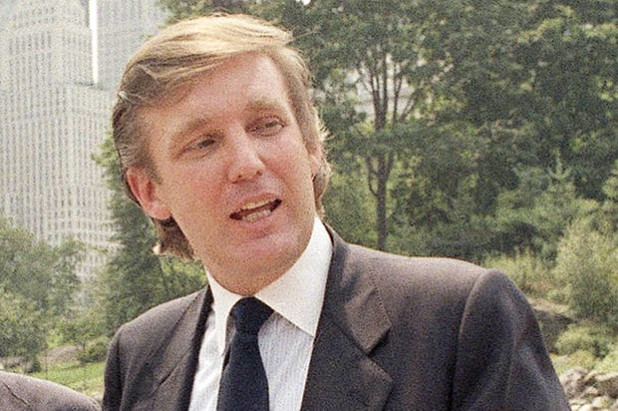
x,y
233,172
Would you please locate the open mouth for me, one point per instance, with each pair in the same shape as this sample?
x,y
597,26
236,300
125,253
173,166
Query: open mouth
x,y
254,211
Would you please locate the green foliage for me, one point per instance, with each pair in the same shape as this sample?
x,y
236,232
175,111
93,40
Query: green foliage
x,y
580,358
454,113
23,329
39,273
527,271
181,9
80,330
375,72
348,206
87,379
586,264
436,194
569,47
536,214
511,62
610,362
595,340
135,279
37,285
96,351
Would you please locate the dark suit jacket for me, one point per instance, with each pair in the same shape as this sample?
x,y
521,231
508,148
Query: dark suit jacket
x,y
19,392
395,333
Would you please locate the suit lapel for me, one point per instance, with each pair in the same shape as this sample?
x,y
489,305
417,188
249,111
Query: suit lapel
x,y
177,358
342,374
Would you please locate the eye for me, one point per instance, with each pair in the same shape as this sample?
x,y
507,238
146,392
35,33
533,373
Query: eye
x,y
267,126
205,143
201,144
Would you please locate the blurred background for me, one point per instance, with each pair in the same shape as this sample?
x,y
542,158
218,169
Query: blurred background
x,y
482,130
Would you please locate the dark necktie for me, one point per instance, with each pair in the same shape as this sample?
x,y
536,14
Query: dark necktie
x,y
243,383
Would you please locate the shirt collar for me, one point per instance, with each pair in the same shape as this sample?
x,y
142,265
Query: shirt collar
x,y
305,281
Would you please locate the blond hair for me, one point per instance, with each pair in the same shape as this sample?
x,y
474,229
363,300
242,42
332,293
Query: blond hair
x,y
176,58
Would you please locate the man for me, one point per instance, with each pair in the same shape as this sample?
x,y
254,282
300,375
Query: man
x,y
222,147
19,392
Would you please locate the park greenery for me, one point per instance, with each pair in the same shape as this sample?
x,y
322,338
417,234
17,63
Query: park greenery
x,y
470,129
37,288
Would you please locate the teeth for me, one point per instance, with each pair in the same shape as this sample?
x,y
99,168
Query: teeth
x,y
255,216
250,206
254,211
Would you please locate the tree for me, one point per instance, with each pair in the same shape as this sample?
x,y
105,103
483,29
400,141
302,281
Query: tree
x,y
586,264
180,9
515,82
536,214
38,272
374,57
536,78
349,205
80,329
37,286
23,330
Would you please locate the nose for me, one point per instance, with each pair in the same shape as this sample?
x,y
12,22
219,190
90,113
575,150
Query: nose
x,y
246,162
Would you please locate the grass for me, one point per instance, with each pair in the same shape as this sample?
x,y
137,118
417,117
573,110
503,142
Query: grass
x,y
87,379
579,358
610,362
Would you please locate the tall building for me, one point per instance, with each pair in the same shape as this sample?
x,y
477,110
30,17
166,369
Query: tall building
x,y
123,25
53,120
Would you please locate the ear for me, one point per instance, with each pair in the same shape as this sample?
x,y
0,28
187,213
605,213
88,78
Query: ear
x,y
148,193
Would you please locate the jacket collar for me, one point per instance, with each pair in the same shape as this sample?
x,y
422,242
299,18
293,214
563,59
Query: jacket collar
x,y
174,363
342,373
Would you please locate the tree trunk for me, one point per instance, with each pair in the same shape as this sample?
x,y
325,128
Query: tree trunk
x,y
382,179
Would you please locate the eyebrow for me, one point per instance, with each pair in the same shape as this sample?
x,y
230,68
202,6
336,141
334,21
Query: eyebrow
x,y
190,128
264,104
253,105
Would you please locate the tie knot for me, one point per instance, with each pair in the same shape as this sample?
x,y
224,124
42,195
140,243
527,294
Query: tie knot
x,y
249,314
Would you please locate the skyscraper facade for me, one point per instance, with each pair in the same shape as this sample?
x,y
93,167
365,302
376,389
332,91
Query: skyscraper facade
x,y
122,27
53,119
55,112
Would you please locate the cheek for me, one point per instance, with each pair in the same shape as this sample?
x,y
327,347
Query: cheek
x,y
193,191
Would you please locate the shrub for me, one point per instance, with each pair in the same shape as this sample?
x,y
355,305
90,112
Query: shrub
x,y
22,327
580,358
526,270
94,352
610,362
576,338
586,264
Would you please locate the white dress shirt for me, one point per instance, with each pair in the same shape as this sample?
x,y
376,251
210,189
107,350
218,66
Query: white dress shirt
x,y
286,338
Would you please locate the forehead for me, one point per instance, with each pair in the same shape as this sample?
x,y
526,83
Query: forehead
x,y
247,75
248,82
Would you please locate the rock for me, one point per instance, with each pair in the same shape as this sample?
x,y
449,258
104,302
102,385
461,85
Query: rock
x,y
615,406
587,407
591,378
573,381
590,392
601,403
551,320
577,403
607,384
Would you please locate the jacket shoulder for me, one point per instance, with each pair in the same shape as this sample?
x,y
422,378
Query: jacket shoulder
x,y
161,315
427,287
141,334
23,392
432,276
